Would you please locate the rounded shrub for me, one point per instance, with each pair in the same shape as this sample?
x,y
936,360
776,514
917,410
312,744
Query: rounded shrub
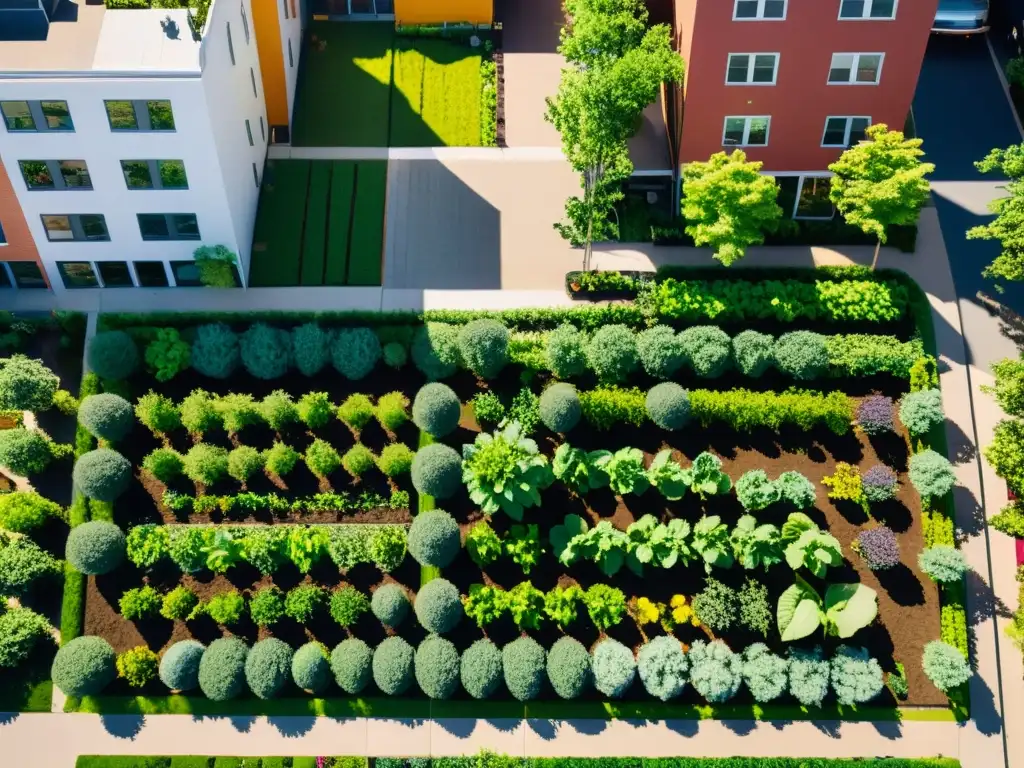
x,y
84,666
708,350
266,351
663,667
437,470
222,669
920,411
856,677
26,384
395,355
158,413
614,668
311,670
24,451
102,474
435,350
95,548
215,351
945,666
179,666
566,351
437,667
483,345
569,668
112,355
753,352
560,408
879,483
350,664
879,548
244,462
438,606
311,348
523,662
356,411
266,606
715,671
796,489
24,511
393,666
668,405
392,410
943,563
164,464
765,674
480,670
434,538
931,474
801,354
355,352
205,463
358,460
268,667
279,410
661,351
436,409
395,460
390,604
755,491
612,353
875,415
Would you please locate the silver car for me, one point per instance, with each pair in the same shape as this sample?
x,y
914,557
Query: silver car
x,y
961,17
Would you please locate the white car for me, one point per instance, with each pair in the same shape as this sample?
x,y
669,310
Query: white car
x,y
961,17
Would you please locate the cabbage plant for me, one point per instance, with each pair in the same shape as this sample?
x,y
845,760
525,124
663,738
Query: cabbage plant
x,y
705,476
754,544
846,609
625,470
711,542
603,545
505,471
809,546
667,476
578,469
661,546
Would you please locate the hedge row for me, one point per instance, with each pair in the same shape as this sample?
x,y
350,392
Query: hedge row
x,y
249,503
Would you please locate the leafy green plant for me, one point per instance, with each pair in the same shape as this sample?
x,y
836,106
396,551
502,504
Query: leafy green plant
x,y
226,608
198,413
280,459
711,542
485,603
157,413
358,460
625,470
755,491
266,606
303,602
659,545
606,605
237,411
754,544
321,458
388,547
523,546
221,549
716,605
139,603
315,409
603,544
525,604
488,409
846,609
137,666
178,603
667,476
356,412
505,471
807,546
560,604
578,469
347,605
705,476
796,489
306,546
845,484
483,544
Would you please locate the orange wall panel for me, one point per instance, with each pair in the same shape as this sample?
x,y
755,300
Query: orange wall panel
x,y
437,11
268,44
20,245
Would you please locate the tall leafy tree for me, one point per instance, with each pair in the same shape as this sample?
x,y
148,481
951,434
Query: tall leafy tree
x,y
1008,225
601,29
881,182
728,204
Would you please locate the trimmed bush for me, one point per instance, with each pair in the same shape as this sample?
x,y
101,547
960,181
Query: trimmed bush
x,y
614,668
755,491
268,667
945,666
321,458
801,354
879,483
280,459
215,351
311,668
358,460
943,563
808,676
560,407
198,412
480,670
390,604
266,352
436,409
392,410
661,351
753,352
206,464
222,669
348,604
708,350
316,409
179,666
765,674
796,489
569,668
395,460
434,538
137,666
523,663
395,355
158,413
112,355
26,384
483,345
95,548
238,411
668,405
438,606
931,474
102,474
566,351
279,410
106,417
856,677
21,630
437,471
393,666
437,667
435,350
165,464
167,354
663,667
356,411
25,511
178,603
303,602
874,415
24,451
715,671
266,606
139,603
355,352
350,663
310,348
920,411
84,666
612,353
244,462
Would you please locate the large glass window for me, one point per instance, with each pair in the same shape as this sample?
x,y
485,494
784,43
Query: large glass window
x,y
855,68
186,273
121,115
27,274
168,226
115,274
844,131
161,118
151,274
75,226
17,116
57,116
36,174
140,115
759,9
36,116
75,174
813,199
154,174
867,9
746,131
77,274
752,68
55,174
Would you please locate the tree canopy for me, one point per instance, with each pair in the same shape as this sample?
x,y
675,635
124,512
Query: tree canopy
x,y
1008,226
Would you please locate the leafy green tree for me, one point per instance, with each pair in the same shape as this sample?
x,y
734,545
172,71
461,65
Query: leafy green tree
x,y
1008,225
881,182
728,204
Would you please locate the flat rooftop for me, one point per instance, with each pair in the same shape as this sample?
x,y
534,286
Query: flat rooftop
x,y
85,37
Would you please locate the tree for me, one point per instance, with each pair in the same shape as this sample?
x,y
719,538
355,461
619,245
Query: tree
x,y
1008,226
1006,452
601,29
728,204
881,182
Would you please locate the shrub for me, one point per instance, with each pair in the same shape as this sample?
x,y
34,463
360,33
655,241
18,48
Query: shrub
x,y
716,605
715,671
487,409
920,411
802,355
437,667
20,630
356,412
311,668
26,384
358,460
434,538
215,351
225,609
303,602
943,563
505,471
931,474
808,676
483,346
24,511
668,405
22,562
102,474
355,352
148,544
945,666
266,352
310,348
137,666
268,667
393,666
878,547
24,451
206,464
392,410
436,409
764,673
438,606
350,664
612,353
437,471
661,351
279,410
186,549
157,413
874,414
112,355
315,409
566,351
395,460
753,352
607,407
244,462
222,670
560,407
390,604
708,350
321,458
139,603
796,489
663,667
483,544
165,464
755,491
84,666
845,483
523,663
199,414
106,416
179,667
178,603
879,484
266,606
395,355
168,354
388,547
95,548
435,350
755,613
280,459
614,668
238,411
569,668
480,669
347,605
856,677
606,605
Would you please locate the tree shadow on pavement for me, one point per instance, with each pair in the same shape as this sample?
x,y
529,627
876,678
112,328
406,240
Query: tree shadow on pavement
x,y
292,727
123,726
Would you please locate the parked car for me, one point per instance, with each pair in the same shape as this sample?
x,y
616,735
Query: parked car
x,y
961,17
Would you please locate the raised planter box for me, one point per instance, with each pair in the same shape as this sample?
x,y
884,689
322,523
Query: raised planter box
x,y
621,284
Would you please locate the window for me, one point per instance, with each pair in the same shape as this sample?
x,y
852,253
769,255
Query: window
x,y
248,132
844,131
154,174
252,77
759,9
186,273
245,24
255,176
140,115
746,131
55,174
856,68
151,274
812,201
867,9
115,274
231,46
752,68
75,227
77,274
291,61
285,4
263,133
26,274
168,226
36,116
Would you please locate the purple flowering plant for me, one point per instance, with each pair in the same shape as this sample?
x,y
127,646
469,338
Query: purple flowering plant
x,y
878,547
875,414
879,483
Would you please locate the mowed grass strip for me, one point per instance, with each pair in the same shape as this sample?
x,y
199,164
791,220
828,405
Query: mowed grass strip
x,y
367,244
339,219
314,241
277,238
